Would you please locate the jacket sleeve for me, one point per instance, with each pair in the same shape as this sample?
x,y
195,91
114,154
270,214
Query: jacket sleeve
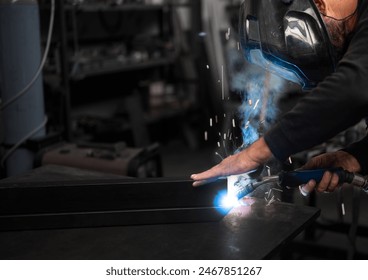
x,y
337,103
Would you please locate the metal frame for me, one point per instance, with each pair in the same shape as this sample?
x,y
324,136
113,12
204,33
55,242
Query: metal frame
x,y
106,202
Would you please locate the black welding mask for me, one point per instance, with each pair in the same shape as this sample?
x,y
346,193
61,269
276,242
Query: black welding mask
x,y
288,38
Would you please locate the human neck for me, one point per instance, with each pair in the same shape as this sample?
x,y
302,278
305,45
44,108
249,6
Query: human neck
x,y
340,9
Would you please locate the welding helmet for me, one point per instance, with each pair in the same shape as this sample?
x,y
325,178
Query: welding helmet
x,y
288,38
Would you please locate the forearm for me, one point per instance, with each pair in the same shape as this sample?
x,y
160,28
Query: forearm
x,y
259,151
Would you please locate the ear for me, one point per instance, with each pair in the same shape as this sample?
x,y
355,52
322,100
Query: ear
x,y
321,5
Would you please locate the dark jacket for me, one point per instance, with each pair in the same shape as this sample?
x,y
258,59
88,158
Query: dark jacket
x,y
337,103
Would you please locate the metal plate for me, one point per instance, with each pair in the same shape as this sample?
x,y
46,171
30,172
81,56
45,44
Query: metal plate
x,y
255,231
27,203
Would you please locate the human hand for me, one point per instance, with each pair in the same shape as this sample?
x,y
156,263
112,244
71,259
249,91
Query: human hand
x,y
330,180
247,160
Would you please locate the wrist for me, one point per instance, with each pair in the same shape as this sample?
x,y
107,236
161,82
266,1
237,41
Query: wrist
x,y
259,151
350,162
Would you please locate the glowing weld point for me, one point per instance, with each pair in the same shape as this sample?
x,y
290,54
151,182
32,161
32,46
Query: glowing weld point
x,y
229,201
343,209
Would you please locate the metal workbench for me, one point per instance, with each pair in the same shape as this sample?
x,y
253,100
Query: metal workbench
x,y
252,231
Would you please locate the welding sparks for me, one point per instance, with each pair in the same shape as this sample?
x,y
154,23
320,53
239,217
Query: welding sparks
x,y
269,194
250,102
272,200
202,34
205,136
290,161
227,35
222,82
224,136
256,105
216,119
217,154
268,170
234,123
343,209
211,122
218,144
208,67
238,46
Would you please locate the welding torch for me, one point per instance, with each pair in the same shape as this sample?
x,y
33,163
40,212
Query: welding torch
x,y
296,178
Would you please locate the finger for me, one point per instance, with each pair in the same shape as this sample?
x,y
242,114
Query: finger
x,y
334,182
213,172
308,187
325,182
203,182
303,193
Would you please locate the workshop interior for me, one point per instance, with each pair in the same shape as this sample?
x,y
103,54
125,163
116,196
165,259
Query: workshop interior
x,y
108,107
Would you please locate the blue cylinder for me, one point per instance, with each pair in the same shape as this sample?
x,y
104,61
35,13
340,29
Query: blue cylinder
x,y
20,58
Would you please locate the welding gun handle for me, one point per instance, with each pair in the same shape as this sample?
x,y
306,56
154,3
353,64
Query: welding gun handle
x,y
293,179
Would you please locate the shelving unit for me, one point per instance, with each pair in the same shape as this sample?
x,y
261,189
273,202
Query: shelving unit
x,y
135,44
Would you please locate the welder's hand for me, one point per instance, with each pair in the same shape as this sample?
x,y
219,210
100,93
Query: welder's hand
x,y
248,159
330,181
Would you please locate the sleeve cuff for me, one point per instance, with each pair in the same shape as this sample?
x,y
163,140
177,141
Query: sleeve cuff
x,y
278,143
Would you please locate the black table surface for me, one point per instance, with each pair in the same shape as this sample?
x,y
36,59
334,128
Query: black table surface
x,y
252,231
